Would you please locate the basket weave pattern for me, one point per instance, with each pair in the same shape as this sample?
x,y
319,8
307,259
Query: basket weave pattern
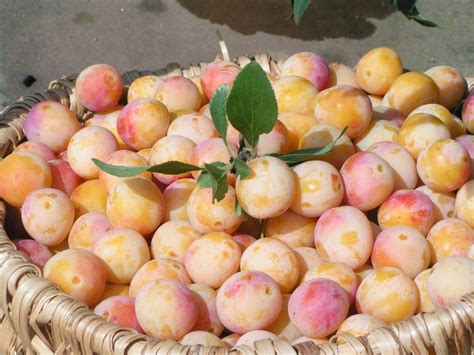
x,y
36,318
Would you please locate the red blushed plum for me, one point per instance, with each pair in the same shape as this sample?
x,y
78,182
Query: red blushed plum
x,y
38,148
64,178
99,87
368,180
310,66
216,74
119,310
468,113
142,122
407,208
248,300
36,251
179,93
51,124
318,307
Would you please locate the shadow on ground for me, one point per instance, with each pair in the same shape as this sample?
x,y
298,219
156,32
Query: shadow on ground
x,y
323,18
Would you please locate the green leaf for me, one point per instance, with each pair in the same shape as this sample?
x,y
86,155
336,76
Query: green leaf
x,y
215,176
251,107
299,7
302,155
409,9
170,168
218,109
241,169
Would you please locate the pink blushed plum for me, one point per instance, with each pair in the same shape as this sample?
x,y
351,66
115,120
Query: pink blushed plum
x,y
195,127
166,309
244,240
51,124
179,93
37,252
451,84
86,229
467,141
38,148
176,197
276,141
308,258
318,307
468,113
99,87
368,180
310,66
212,150
340,74
208,318
87,144
142,122
119,310
217,74
248,300
64,178
407,208
144,87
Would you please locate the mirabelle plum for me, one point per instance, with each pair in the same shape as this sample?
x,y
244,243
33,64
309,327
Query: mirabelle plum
x,y
157,269
171,148
344,106
195,127
318,189
176,197
377,131
123,158
388,114
450,280
199,337
99,87
111,290
38,148
400,160
244,240
166,309
310,66
276,141
443,114
123,251
387,294
216,74
467,141
211,259
144,87
78,273
119,310
360,324
374,188
63,177
411,90
145,154
450,237
419,131
108,119
340,273
297,125
294,93
444,166
90,196
87,229
464,204
208,319
172,239
37,252
421,281
340,74
407,208
451,84
269,189
142,122
318,307
248,339
291,228
87,144
248,300
47,215
443,202
212,150
52,124
282,326
308,258
403,248
276,259
364,271
320,135
378,69
468,113
136,203
22,173
344,234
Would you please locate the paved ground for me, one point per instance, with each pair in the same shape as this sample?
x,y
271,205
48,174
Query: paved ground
x,y
50,38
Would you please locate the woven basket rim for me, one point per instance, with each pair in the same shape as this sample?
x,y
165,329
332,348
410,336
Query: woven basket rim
x,y
30,303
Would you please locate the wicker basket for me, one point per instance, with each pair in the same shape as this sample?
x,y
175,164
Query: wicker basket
x,y
35,317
